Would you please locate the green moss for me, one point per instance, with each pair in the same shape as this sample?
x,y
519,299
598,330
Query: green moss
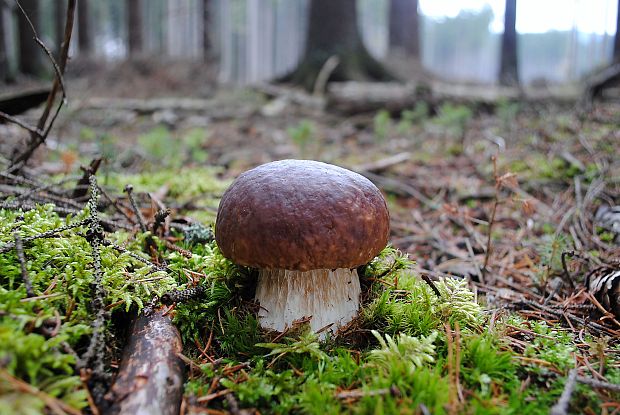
x,y
199,185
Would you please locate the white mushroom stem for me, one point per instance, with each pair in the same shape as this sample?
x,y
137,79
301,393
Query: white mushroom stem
x,y
329,296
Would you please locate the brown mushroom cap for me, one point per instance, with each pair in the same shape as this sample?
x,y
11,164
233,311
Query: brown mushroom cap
x,y
301,215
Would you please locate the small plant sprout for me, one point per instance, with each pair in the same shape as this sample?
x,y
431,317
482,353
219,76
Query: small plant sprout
x,y
412,352
302,134
307,226
381,124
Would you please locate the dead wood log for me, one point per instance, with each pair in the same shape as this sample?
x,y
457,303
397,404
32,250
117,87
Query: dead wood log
x,y
359,97
17,103
596,84
356,97
150,379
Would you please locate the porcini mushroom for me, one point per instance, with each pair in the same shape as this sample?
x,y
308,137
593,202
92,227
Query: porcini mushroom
x,y
306,226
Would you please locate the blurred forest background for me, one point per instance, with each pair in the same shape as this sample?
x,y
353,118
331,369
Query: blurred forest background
x,y
246,41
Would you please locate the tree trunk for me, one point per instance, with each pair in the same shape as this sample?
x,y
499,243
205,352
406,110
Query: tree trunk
x,y
206,39
134,30
30,55
4,61
508,72
616,55
85,43
60,11
333,31
404,27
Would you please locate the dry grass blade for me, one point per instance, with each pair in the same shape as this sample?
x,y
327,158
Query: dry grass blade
x,y
58,407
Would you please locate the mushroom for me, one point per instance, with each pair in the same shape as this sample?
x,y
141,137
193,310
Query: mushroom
x,y
306,226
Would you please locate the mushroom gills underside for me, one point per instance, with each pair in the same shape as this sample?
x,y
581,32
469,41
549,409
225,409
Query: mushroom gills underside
x,y
329,296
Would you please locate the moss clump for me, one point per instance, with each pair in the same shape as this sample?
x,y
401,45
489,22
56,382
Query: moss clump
x,y
41,337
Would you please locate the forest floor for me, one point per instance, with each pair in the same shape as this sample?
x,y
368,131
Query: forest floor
x,y
508,206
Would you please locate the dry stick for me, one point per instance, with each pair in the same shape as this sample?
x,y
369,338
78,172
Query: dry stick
x,y
491,221
134,207
321,80
578,320
19,248
150,378
391,184
33,197
430,282
35,139
82,185
160,217
599,384
561,407
233,404
115,205
567,273
47,187
55,405
17,121
173,247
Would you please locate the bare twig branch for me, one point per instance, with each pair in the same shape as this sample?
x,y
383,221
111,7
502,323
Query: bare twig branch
x,y
561,407
17,121
599,384
36,139
134,207
487,254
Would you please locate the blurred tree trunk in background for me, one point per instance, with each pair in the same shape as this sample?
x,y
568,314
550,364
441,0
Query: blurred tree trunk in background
x,y
616,56
508,72
134,30
333,31
60,10
4,61
404,27
30,55
206,26
85,42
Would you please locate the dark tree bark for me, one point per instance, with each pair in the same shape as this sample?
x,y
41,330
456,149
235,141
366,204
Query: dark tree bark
x,y
85,42
30,55
616,55
404,27
206,39
60,11
333,31
508,71
4,61
134,30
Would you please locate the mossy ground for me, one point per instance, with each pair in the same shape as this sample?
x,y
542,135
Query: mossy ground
x,y
411,350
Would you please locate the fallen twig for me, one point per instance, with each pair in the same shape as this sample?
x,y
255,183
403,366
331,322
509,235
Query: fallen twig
x,y
150,379
599,384
561,407
134,207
